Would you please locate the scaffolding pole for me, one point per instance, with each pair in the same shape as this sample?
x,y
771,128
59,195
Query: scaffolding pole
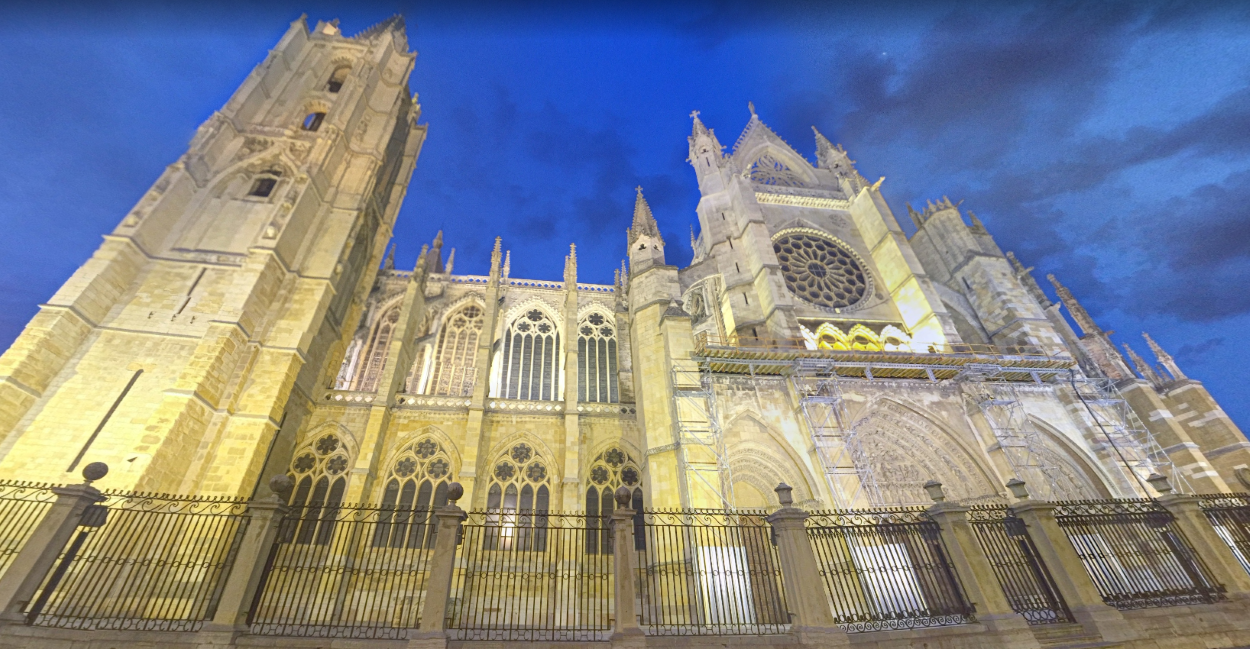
x,y
701,455
1018,438
1138,453
847,471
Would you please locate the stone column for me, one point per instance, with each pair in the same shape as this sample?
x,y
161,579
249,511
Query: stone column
x,y
625,630
811,621
442,563
975,573
1194,525
38,556
251,561
1071,579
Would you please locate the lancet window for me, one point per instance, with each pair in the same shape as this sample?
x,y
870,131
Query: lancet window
x,y
596,360
337,78
417,483
454,368
375,354
610,470
531,358
518,500
319,471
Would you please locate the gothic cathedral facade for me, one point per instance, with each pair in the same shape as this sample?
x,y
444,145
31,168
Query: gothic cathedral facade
x,y
243,321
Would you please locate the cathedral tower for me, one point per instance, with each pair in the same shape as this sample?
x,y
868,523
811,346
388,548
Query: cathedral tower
x,y
204,322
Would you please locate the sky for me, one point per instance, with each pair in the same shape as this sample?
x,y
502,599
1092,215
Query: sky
x,y
1107,143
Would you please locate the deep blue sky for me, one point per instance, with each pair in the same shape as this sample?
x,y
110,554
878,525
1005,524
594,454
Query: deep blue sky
x,y
1107,143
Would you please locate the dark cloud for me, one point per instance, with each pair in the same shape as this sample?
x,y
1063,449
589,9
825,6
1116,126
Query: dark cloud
x,y
1195,352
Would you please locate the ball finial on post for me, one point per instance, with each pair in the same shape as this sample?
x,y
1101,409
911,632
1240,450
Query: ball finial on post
x,y
623,495
94,471
281,485
455,491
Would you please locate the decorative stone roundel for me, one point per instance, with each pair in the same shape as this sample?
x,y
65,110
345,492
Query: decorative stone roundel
x,y
820,270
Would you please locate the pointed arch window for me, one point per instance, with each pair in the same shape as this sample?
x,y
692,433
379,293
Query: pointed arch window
x,y
518,501
312,121
596,360
531,358
375,354
454,369
264,183
417,484
337,78
319,471
610,470
768,170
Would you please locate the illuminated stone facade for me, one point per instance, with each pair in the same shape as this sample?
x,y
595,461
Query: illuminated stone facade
x,y
243,321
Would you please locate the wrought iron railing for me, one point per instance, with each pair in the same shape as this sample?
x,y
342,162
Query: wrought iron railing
x,y
1230,516
350,571
709,572
148,562
22,506
886,569
532,576
1135,555
1020,572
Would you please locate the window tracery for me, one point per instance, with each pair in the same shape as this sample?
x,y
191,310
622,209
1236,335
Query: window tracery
x,y
418,482
375,354
319,471
596,360
518,500
610,470
768,170
530,358
454,369
821,271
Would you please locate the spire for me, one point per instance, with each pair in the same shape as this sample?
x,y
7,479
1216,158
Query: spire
x,y
977,226
1142,367
570,268
1026,278
751,107
644,222
829,156
703,142
495,256
389,264
693,242
451,261
1078,312
916,217
437,263
507,264
1165,358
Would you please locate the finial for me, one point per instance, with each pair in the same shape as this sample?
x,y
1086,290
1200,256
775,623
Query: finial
x,y
934,489
694,114
783,494
390,259
623,496
498,244
1018,488
751,107
455,491
451,261
281,485
438,239
94,471
693,247
638,189
507,264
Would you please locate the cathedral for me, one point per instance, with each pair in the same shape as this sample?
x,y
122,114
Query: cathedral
x,y
244,321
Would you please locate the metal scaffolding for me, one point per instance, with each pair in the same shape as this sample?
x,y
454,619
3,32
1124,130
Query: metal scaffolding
x,y
700,443
1131,443
1018,438
850,476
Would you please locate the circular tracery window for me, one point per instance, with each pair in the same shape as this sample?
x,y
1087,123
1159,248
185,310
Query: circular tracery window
x,y
820,270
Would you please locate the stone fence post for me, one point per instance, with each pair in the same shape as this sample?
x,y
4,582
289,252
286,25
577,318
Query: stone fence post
x,y
975,572
1197,528
433,631
47,540
1071,579
811,620
625,630
250,561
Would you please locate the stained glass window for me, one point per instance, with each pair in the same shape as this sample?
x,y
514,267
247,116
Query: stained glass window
x,y
596,360
530,358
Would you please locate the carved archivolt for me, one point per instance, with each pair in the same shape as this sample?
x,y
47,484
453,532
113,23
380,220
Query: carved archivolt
x,y
903,450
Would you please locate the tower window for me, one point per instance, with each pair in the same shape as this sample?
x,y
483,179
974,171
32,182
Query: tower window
x,y
263,187
335,83
313,121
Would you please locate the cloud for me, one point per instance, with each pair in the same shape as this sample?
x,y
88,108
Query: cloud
x,y
1194,352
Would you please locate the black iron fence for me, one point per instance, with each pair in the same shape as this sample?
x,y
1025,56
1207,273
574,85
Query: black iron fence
x,y
533,576
144,562
708,573
886,569
1135,555
22,506
1230,516
1020,572
349,571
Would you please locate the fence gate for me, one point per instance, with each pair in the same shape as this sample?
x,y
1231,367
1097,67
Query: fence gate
x,y
532,576
142,562
886,569
1230,516
1135,555
1025,580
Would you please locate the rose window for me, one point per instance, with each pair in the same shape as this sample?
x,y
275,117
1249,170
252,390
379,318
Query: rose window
x,y
821,271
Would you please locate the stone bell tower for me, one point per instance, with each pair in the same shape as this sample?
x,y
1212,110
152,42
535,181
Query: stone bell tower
x,y
204,321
